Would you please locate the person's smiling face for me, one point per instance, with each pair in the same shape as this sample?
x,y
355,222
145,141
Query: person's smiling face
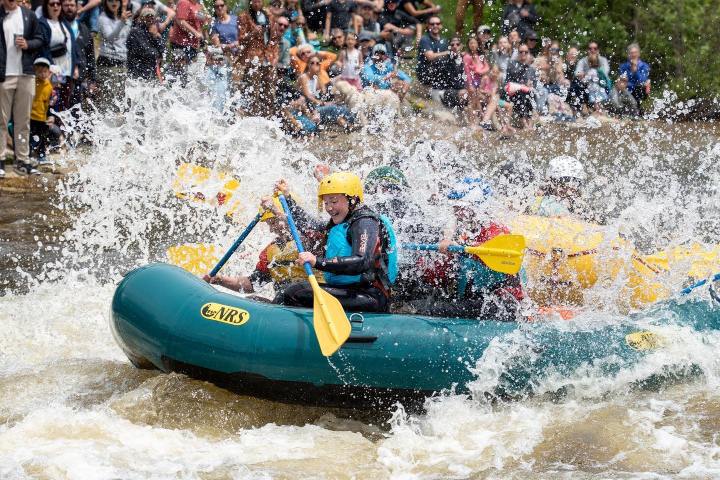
x,y
337,206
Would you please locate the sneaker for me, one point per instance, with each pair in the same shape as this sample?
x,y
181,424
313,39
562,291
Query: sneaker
x,y
32,170
20,169
2,173
44,161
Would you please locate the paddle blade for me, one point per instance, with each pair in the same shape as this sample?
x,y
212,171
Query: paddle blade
x,y
332,327
503,253
197,259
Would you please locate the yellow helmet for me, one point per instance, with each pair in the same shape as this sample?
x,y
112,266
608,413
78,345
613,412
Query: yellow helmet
x,y
268,214
341,182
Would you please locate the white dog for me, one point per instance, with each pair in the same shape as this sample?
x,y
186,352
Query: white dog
x,y
370,103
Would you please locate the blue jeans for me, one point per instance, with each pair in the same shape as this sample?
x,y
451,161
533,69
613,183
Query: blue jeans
x,y
216,78
332,113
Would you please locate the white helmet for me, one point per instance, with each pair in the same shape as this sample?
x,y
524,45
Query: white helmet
x,y
566,166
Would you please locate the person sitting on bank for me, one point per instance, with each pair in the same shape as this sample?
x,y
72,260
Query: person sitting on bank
x,y
637,73
276,262
360,261
621,102
379,72
468,288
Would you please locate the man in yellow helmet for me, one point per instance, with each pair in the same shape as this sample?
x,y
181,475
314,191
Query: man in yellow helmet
x,y
360,261
277,260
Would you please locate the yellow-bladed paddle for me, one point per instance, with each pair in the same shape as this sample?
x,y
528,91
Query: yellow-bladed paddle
x,y
331,325
503,253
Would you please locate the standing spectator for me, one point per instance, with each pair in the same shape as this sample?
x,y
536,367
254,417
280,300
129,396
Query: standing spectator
x,y
223,45
86,83
114,24
461,9
350,61
185,36
380,73
593,72
225,27
39,130
144,47
452,76
476,66
502,56
637,73
22,40
253,25
60,48
431,51
519,80
519,15
259,58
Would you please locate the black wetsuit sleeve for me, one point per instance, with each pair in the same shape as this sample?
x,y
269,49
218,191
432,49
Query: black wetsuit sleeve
x,y
303,220
364,233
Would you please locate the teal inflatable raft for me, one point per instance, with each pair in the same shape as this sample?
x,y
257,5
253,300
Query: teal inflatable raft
x,y
165,318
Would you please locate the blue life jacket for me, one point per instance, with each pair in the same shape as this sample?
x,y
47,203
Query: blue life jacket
x,y
339,244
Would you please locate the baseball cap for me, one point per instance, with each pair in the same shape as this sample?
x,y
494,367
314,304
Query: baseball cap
x,y
364,36
147,2
484,29
531,36
42,61
379,48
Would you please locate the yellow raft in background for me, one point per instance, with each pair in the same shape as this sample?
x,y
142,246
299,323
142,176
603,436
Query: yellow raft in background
x,y
566,257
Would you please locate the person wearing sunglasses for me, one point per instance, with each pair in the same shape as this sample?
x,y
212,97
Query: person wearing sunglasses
x,y
452,76
431,52
318,96
519,80
380,73
22,41
60,48
593,71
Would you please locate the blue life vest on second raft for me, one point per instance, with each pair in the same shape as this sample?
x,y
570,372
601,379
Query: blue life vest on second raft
x,y
338,244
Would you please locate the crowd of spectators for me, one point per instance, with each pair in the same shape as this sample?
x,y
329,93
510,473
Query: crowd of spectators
x,y
297,62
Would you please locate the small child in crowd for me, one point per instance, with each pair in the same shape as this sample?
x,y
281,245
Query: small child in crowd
x,y
39,130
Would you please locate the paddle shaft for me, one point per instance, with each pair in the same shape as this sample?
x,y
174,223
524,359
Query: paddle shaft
x,y
294,232
460,249
235,245
689,289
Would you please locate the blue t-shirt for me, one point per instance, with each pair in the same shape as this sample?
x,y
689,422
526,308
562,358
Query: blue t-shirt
x,y
638,77
228,32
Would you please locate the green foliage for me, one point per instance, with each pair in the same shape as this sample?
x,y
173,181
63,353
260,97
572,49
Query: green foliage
x,y
678,39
